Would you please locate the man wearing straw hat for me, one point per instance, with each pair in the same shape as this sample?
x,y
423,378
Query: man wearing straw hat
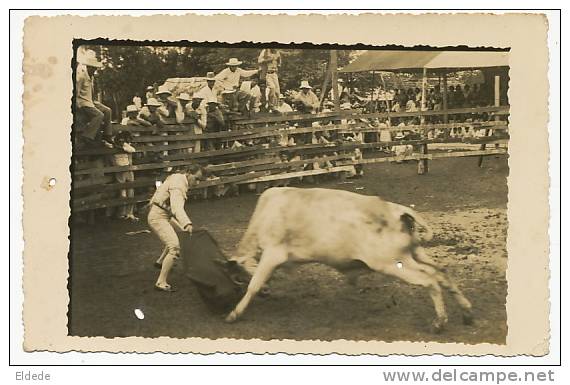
x,y
169,104
229,77
306,100
95,112
132,118
181,106
150,112
207,93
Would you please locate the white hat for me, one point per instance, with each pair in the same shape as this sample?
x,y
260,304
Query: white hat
x,y
281,96
132,108
153,102
163,90
305,84
340,80
89,58
228,91
150,88
184,96
210,76
233,62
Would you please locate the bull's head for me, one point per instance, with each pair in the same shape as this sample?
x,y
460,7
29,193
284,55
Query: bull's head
x,y
236,272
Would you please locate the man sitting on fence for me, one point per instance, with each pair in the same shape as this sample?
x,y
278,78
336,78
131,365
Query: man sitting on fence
x,y
132,118
167,213
306,101
229,77
96,113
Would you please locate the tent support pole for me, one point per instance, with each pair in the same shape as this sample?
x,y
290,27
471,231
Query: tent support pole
x,y
423,163
497,104
334,80
445,115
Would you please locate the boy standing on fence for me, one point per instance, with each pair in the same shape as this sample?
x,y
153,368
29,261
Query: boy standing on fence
x,y
167,213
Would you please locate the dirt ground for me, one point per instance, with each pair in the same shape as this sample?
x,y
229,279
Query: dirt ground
x,y
112,273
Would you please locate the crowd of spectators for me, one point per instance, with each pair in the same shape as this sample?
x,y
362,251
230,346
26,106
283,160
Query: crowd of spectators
x,y
237,92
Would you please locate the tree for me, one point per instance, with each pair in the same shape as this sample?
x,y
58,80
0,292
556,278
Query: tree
x,y
128,70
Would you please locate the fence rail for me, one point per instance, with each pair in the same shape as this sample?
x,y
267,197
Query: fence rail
x,y
259,159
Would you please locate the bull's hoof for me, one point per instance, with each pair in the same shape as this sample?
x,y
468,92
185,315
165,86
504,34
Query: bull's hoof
x,y
232,317
437,326
467,317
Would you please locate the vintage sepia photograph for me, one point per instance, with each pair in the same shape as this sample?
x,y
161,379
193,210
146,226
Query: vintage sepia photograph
x,y
285,191
265,184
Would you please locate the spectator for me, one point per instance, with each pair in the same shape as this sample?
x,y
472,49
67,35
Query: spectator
x,y
150,112
124,158
252,89
132,118
181,107
468,96
418,95
169,104
198,115
282,106
436,99
215,121
149,93
229,77
269,61
451,102
207,92
96,113
458,97
401,98
342,91
137,101
306,100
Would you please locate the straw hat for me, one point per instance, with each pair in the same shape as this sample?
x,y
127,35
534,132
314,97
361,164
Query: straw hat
x,y
184,96
163,90
89,58
305,84
132,108
210,76
153,102
233,62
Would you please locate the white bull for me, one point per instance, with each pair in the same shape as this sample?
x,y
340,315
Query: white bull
x,y
340,229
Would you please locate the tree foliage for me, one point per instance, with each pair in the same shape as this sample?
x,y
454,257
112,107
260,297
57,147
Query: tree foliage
x,y
128,70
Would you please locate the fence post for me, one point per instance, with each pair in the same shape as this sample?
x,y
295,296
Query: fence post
x,y
423,163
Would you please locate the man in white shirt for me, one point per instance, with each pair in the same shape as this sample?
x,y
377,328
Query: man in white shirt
x,y
282,106
229,77
208,92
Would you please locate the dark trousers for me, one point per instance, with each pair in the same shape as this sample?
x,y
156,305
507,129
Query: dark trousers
x,y
100,115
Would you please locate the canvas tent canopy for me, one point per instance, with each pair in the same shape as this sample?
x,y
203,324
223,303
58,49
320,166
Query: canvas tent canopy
x,y
431,60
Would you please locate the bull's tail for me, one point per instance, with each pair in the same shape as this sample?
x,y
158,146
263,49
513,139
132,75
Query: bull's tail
x,y
407,213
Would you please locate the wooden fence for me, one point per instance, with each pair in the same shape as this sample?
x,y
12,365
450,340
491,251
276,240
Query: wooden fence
x,y
260,160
